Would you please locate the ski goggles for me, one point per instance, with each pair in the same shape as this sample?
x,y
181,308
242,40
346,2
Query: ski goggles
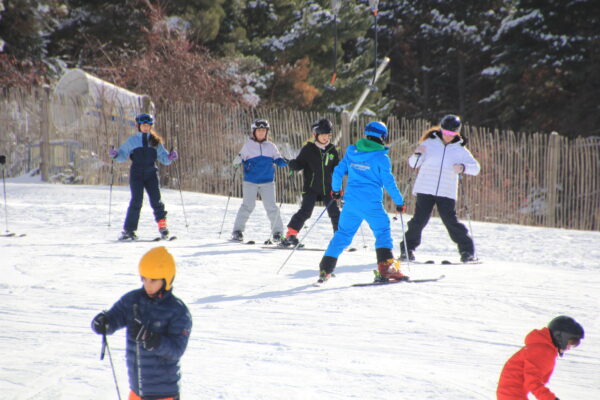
x,y
446,132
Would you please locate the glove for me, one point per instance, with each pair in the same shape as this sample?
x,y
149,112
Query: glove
x,y
150,340
337,195
100,323
2,160
401,209
459,168
134,328
173,155
421,149
113,153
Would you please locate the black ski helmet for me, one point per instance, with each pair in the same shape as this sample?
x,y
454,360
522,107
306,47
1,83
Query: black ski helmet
x,y
144,119
322,126
562,329
451,122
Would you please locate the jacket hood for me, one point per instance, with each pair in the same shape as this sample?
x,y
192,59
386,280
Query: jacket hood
x,y
462,140
367,145
540,336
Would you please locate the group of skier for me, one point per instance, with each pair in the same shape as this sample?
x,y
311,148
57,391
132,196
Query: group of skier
x,y
159,324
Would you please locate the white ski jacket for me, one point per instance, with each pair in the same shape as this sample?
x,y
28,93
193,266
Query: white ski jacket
x,y
436,174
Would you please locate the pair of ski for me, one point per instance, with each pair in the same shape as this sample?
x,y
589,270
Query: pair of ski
x,y
319,283
12,234
443,262
156,239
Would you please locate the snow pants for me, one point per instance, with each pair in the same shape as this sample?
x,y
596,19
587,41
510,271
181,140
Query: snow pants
x,y
138,181
352,216
309,199
267,194
447,209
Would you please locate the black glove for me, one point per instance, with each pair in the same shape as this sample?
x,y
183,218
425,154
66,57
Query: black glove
x,y
134,328
336,195
100,323
2,160
401,209
150,340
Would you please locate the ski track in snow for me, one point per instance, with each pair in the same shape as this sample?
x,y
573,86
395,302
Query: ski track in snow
x,y
262,335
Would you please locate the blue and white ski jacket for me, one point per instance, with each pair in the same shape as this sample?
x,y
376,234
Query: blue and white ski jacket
x,y
258,159
167,315
143,155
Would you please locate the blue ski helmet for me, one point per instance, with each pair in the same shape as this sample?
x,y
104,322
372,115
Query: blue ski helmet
x,y
377,129
451,123
144,119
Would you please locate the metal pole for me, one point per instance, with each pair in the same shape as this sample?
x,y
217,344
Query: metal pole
x,y
305,235
112,366
228,198
112,161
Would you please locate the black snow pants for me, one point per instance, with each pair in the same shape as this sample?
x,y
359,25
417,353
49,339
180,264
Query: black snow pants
x,y
447,209
140,179
309,199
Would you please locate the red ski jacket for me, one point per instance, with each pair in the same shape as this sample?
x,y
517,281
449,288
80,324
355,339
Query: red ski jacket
x,y
529,369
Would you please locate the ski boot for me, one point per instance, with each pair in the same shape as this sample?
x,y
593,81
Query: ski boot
x,y
389,269
411,255
128,235
237,236
324,277
162,229
291,238
467,257
277,238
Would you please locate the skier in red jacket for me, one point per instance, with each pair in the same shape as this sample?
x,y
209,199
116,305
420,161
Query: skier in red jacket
x,y
529,369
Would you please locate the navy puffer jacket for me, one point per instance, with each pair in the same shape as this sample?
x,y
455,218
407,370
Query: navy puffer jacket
x,y
167,315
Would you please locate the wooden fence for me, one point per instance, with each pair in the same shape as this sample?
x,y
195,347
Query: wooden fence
x,y
528,179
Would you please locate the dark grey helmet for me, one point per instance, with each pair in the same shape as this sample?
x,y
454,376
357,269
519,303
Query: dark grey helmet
x,y
322,126
451,123
563,329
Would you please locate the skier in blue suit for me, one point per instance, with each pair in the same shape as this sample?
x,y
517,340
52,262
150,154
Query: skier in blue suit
x,y
369,171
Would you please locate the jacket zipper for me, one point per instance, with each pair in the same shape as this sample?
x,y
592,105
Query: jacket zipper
x,y
441,167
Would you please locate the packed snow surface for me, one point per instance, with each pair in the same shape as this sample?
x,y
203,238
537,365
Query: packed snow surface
x,y
262,335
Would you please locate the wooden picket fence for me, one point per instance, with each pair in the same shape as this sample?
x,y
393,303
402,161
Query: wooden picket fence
x,y
528,179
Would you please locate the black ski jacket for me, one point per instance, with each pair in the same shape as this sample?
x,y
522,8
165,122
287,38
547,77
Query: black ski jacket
x,y
318,167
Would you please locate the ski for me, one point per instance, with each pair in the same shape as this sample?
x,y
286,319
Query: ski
x,y
156,239
443,262
239,242
392,281
12,234
301,247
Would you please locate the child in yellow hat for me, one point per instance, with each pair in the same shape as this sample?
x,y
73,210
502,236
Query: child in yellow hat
x,y
158,328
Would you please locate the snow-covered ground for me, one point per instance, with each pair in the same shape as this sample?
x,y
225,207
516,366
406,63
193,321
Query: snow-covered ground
x,y
262,335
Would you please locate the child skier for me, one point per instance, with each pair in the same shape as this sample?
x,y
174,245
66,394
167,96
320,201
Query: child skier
x,y
144,148
442,157
529,369
158,328
317,159
259,157
369,171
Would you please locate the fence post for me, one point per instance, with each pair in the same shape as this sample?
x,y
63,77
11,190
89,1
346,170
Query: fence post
x,y
45,128
345,130
552,167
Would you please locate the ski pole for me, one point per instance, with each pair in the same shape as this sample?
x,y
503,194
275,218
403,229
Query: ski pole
x,y
464,198
305,235
112,161
136,318
107,349
228,198
2,163
181,194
